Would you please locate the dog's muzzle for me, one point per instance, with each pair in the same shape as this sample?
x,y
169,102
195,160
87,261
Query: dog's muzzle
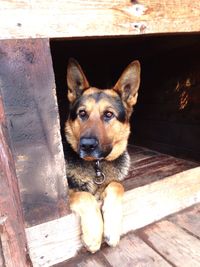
x,y
89,149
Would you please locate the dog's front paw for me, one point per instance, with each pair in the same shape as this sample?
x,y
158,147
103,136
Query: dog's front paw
x,y
92,231
112,214
85,205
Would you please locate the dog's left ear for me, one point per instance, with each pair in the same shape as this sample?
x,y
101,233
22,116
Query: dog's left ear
x,y
128,84
76,80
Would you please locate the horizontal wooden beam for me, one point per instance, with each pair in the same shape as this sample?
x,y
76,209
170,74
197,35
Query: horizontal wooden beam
x,y
34,19
58,240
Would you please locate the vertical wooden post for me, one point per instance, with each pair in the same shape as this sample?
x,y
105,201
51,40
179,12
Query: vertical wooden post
x,y
29,96
13,249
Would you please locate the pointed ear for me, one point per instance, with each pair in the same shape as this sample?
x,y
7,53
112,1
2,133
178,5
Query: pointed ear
x,y
76,80
128,84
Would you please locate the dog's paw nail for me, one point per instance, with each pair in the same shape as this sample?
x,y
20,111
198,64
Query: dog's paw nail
x,y
92,245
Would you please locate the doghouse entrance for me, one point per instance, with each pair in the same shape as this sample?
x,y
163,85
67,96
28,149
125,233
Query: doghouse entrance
x,y
167,114
164,144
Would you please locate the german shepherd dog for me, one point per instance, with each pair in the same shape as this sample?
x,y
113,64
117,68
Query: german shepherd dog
x,y
97,132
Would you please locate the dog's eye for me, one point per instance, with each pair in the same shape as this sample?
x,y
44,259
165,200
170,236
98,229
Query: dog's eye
x,y
108,115
82,114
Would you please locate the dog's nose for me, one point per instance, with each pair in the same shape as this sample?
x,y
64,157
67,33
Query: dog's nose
x,y
88,144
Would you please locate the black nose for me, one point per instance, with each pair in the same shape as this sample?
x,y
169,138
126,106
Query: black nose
x,y
88,144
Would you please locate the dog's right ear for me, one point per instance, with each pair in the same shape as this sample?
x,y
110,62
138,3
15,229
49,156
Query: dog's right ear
x,y
76,80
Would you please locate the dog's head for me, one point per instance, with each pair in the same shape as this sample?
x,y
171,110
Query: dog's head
x,y
98,124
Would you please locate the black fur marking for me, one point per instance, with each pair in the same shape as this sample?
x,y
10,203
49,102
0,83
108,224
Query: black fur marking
x,y
77,185
73,109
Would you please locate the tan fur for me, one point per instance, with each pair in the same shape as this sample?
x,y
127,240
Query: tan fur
x,y
112,212
86,206
114,133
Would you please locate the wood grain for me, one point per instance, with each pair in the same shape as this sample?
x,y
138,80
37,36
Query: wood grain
x,y
189,220
13,246
146,204
177,246
132,251
141,206
25,19
28,91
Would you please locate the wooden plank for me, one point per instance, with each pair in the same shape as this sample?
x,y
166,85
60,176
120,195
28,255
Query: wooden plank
x,y
159,170
154,201
13,247
59,240
86,260
132,251
189,220
28,90
23,19
158,166
54,241
173,243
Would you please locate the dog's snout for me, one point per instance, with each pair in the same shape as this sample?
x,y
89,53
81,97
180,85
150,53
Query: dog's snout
x,y
88,144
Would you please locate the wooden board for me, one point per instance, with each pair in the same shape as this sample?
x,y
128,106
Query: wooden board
x,y
25,19
28,91
13,246
174,244
151,202
189,220
132,251
161,244
148,166
141,206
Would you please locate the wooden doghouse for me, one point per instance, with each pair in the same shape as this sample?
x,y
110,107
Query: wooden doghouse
x,y
37,38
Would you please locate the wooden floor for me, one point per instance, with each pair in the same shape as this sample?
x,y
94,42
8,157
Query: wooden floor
x,y
174,241
148,166
157,186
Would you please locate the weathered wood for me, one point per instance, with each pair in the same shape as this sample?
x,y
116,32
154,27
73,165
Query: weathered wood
x,y
154,201
13,247
28,90
154,168
189,220
58,240
173,243
136,249
54,241
86,260
132,251
25,19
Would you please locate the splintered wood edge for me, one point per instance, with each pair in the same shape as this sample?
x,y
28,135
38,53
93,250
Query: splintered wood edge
x,y
58,240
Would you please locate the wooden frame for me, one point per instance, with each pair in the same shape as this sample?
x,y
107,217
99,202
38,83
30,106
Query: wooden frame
x,y
37,19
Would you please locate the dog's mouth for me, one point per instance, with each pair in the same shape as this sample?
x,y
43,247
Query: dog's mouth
x,y
90,149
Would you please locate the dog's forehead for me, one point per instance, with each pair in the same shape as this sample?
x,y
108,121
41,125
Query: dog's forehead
x,y
101,96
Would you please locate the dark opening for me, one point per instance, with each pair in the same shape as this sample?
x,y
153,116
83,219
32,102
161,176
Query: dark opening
x,y
167,115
